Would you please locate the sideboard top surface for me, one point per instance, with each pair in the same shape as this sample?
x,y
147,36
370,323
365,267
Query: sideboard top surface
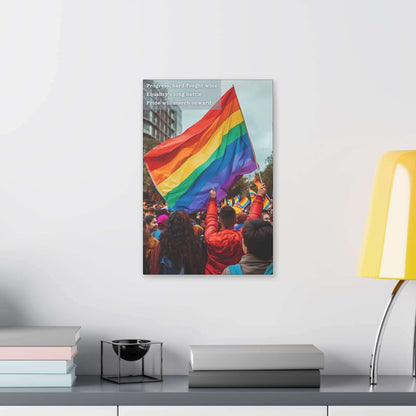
x,y
174,391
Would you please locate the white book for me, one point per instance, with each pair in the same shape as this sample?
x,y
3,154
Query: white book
x,y
39,336
256,357
38,380
36,366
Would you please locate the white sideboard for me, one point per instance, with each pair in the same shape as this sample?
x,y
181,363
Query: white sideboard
x,y
372,411
58,410
337,396
207,410
223,411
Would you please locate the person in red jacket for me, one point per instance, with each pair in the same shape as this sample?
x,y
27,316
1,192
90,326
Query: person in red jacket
x,y
224,247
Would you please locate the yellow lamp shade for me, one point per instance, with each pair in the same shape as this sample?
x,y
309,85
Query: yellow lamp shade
x,y
389,244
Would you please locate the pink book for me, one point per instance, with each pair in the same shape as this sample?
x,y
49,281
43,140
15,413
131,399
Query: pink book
x,y
38,353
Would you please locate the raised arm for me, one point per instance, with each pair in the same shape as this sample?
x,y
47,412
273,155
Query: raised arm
x,y
257,205
211,219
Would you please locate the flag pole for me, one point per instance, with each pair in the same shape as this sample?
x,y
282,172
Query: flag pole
x,y
261,180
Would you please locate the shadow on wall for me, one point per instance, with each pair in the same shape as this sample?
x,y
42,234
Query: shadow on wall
x,y
88,359
10,315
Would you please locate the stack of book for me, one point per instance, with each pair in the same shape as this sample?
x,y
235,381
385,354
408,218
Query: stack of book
x,y
38,356
255,366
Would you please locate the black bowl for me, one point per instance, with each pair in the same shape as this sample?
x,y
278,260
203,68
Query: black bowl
x,y
133,352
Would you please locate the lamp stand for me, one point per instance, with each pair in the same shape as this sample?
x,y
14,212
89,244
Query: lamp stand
x,y
380,333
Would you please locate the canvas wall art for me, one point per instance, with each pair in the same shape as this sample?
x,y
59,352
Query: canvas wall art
x,y
208,177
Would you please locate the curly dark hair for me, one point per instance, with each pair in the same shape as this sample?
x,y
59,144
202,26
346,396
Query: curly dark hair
x,y
179,244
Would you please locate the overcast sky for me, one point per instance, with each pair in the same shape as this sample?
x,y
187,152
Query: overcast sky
x,y
256,101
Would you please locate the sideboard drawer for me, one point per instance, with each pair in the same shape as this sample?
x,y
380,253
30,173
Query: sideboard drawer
x,y
222,410
58,410
372,410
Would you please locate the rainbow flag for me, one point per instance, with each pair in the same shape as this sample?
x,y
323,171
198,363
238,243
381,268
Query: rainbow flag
x,y
252,194
244,202
213,153
266,203
256,182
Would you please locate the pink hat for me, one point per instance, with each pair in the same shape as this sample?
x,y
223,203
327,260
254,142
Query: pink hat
x,y
162,218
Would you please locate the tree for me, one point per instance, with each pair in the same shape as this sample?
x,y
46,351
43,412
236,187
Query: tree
x,y
267,175
239,188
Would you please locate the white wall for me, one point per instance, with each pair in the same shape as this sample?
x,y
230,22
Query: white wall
x,y
70,166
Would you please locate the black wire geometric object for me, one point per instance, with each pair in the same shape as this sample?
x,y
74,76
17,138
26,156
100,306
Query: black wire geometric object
x,y
131,361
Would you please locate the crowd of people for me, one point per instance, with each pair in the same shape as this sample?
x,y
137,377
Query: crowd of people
x,y
210,242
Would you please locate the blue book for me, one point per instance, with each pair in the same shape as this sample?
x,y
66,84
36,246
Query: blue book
x,y
36,366
38,380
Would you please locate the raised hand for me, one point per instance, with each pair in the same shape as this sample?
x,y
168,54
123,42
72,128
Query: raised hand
x,y
262,190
